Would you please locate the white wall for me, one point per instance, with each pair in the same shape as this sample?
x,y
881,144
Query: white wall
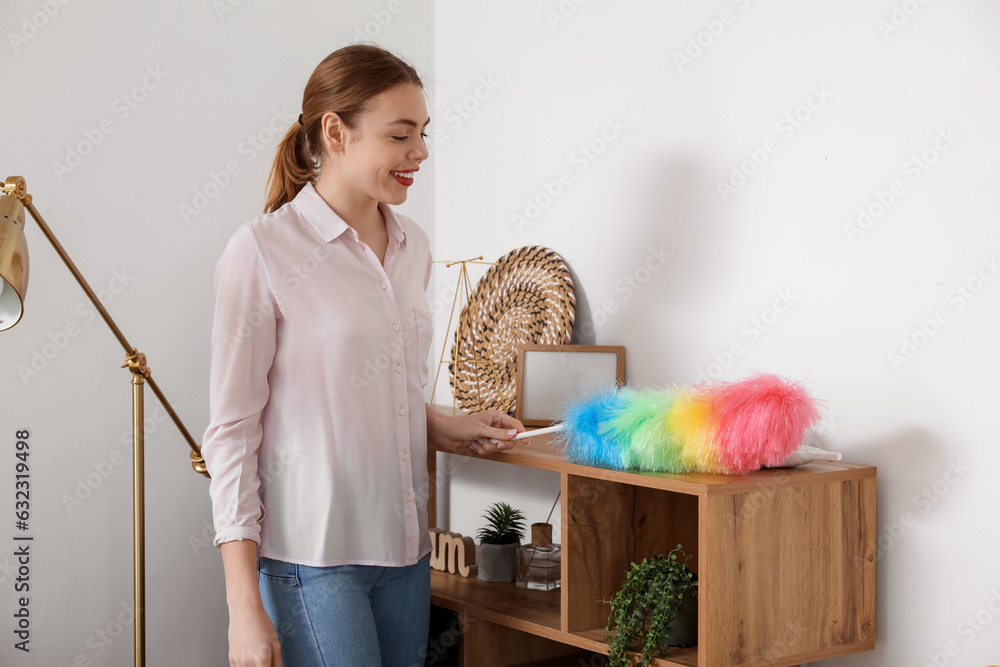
x,y
554,86
885,98
223,75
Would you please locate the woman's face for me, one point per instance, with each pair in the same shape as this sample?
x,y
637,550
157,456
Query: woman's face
x,y
383,152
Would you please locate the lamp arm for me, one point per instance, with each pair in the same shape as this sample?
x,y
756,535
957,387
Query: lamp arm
x,y
197,462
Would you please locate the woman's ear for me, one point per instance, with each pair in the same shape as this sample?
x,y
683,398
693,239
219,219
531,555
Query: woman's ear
x,y
334,133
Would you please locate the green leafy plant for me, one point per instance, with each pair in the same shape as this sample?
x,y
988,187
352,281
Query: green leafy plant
x,y
646,604
505,525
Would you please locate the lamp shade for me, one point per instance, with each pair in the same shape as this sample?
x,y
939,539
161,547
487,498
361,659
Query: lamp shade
x,y
13,261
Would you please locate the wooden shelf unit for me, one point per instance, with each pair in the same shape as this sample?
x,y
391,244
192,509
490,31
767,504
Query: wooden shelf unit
x,y
785,561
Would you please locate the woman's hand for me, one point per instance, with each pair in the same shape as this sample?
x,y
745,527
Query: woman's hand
x,y
464,432
252,639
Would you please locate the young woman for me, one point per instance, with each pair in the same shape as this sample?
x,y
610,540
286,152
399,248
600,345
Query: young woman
x,y
318,436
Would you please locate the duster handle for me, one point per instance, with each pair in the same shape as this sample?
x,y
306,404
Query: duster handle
x,y
537,431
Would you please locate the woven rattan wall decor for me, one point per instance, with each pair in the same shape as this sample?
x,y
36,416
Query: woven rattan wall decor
x,y
526,297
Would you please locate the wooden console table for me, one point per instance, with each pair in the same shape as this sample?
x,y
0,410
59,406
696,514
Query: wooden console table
x,y
785,561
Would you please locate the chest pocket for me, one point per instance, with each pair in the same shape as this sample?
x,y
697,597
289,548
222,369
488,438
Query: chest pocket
x,y
424,334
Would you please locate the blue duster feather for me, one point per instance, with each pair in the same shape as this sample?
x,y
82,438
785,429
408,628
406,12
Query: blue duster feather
x,y
585,438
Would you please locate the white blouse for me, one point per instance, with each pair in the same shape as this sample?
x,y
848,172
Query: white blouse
x,y
317,445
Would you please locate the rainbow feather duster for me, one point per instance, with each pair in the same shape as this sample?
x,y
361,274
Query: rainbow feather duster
x,y
724,427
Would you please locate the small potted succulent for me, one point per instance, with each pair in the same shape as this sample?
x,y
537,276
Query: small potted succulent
x,y
657,607
496,553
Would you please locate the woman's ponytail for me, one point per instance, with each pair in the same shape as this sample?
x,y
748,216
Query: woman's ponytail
x,y
293,167
344,82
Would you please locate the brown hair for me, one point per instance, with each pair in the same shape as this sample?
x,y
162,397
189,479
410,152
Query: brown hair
x,y
344,82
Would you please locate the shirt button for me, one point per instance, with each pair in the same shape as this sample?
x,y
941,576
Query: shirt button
x,y
382,285
402,411
409,498
395,327
406,455
399,368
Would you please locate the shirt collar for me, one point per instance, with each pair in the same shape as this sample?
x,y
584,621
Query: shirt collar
x,y
329,225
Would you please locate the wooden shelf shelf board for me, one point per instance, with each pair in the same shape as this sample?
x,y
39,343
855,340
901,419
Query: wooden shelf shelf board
x,y
535,612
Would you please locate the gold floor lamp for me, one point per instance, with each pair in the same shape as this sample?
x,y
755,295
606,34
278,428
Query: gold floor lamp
x,y
14,284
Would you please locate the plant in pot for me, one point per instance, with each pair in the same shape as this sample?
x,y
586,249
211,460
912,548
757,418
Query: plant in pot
x,y
496,554
656,606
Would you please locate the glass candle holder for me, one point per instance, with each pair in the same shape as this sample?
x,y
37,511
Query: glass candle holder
x,y
539,567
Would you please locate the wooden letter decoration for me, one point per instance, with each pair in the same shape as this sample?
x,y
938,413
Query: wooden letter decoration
x,y
452,552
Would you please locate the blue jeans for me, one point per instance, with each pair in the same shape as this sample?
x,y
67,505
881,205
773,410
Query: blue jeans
x,y
357,615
